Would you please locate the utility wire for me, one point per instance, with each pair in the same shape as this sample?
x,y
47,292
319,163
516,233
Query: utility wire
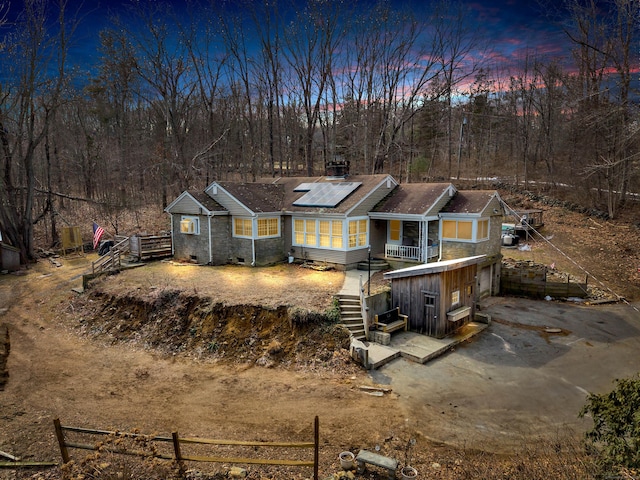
x,y
536,232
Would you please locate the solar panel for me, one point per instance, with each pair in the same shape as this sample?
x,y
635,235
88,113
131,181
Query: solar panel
x,y
304,187
325,194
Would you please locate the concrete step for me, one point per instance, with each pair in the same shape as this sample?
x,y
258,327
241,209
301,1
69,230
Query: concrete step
x,y
356,322
376,265
350,309
357,333
349,301
346,296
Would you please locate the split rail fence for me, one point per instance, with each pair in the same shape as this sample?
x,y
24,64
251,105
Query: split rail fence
x,y
176,442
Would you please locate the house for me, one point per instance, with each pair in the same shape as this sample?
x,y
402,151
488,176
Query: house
x,y
335,219
438,297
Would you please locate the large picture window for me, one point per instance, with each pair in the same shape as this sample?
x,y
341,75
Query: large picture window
x,y
242,227
268,227
304,232
457,229
330,233
318,233
357,233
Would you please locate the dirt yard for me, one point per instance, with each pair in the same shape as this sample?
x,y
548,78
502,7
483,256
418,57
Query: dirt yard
x,y
83,359
91,376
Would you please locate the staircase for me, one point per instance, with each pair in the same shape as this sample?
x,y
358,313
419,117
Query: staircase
x,y
112,260
351,315
377,264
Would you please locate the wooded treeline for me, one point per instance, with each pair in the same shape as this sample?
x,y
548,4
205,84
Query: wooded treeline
x,y
240,90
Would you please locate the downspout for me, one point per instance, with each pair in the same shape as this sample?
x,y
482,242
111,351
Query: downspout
x,y
440,240
210,245
253,241
173,243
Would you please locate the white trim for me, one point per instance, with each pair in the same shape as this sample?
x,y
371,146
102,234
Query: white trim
x,y
345,232
190,224
278,220
254,226
203,209
216,196
384,183
233,226
474,229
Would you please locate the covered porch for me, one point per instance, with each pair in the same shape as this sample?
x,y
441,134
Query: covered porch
x,y
406,240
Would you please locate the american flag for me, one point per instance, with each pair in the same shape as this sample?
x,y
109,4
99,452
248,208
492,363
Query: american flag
x,y
98,231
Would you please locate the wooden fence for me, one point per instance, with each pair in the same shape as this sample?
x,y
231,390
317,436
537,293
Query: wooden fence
x,y
176,441
138,247
533,282
145,247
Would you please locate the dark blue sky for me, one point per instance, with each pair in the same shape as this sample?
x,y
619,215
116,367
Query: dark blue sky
x,y
513,28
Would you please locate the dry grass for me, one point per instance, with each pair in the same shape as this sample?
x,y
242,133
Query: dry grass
x,y
279,285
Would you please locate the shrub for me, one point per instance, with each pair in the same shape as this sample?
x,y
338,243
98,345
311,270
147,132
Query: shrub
x,y
615,435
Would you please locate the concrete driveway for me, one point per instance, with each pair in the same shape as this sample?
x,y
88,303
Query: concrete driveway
x,y
526,376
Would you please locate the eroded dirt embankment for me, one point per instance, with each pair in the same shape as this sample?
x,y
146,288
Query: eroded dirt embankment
x,y
174,322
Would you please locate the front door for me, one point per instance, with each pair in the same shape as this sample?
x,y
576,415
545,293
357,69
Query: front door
x,y
429,321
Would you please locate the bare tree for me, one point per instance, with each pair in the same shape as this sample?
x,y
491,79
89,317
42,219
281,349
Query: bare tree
x,y
37,72
168,89
311,41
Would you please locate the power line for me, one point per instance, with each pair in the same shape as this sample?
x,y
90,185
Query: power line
x,y
536,232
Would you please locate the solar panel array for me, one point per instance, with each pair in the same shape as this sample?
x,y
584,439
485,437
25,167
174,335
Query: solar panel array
x,y
324,194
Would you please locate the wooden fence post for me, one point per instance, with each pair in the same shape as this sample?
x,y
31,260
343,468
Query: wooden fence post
x,y
316,447
60,436
177,453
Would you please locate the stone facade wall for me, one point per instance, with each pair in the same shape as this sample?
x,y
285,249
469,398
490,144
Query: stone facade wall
x,y
452,249
188,247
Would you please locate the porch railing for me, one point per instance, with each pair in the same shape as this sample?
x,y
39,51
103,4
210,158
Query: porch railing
x,y
404,252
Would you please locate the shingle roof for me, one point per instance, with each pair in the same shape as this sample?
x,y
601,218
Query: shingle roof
x,y
368,183
469,201
257,197
412,198
206,201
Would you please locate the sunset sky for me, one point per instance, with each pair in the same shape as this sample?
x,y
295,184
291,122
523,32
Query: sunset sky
x,y
513,28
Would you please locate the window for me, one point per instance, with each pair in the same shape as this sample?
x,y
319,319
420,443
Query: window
x,y
318,233
465,230
457,229
336,233
357,233
310,232
190,225
324,233
298,232
394,230
242,227
304,232
483,230
455,298
268,227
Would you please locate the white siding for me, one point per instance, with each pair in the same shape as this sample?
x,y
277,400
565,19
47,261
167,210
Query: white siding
x,y
367,204
227,201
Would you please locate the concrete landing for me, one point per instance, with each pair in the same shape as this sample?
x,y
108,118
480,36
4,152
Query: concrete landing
x,y
417,347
